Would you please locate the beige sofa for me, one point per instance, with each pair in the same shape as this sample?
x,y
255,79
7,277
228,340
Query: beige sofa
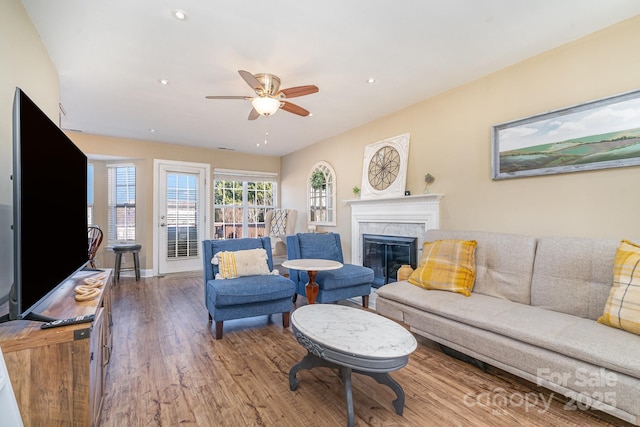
x,y
533,312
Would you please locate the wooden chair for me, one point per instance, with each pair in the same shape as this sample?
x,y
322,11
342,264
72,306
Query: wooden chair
x,y
95,239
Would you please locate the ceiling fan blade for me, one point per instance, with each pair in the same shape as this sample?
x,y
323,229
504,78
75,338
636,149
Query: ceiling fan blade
x,y
251,80
253,114
228,97
293,108
292,92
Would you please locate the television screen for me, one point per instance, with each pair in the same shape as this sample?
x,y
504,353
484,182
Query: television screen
x,y
49,206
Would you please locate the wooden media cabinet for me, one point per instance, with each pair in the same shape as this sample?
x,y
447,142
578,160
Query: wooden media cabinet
x,y
58,374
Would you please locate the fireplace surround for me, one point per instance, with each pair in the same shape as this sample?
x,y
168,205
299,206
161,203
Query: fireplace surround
x,y
409,216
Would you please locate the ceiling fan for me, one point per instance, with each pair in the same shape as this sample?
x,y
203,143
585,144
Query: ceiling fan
x,y
270,98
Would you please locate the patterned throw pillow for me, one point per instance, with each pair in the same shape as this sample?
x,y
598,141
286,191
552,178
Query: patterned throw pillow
x,y
250,262
622,309
278,222
447,265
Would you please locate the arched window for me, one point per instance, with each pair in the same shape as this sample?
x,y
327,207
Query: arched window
x,y
321,196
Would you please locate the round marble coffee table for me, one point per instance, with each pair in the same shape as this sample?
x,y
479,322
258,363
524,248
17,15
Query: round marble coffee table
x,y
351,340
312,266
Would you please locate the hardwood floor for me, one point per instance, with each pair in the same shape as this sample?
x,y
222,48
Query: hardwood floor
x,y
167,370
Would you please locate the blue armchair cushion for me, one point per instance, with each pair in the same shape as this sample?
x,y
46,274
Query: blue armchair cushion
x,y
248,290
323,246
347,276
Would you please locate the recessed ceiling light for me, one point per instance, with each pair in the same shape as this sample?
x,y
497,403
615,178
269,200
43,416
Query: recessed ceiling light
x,y
163,82
152,130
371,80
180,15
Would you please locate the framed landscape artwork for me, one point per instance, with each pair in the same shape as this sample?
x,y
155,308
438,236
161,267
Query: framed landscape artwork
x,y
596,135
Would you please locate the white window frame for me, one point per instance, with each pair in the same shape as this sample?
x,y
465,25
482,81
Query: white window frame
x,y
245,177
91,188
321,202
111,205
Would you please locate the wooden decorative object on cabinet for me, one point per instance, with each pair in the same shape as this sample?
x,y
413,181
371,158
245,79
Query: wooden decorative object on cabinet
x,y
58,374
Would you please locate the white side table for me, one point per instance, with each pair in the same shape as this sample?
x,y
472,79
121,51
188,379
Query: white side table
x,y
312,266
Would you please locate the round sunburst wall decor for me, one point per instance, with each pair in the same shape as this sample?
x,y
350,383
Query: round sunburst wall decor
x,y
384,172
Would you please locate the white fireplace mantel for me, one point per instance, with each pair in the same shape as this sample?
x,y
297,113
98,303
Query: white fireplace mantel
x,y
423,210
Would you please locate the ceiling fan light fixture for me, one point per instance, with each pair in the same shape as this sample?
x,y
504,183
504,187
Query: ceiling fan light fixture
x,y
265,106
270,98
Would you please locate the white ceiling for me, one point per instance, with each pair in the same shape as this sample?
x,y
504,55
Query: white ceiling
x,y
111,54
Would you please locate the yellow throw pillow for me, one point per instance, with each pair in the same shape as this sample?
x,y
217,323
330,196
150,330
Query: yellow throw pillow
x,y
447,265
250,262
622,309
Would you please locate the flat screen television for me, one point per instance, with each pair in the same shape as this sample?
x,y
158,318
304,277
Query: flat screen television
x,y
50,238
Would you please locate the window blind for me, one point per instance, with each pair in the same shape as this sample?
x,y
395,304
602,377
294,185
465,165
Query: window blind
x,y
90,194
242,175
121,202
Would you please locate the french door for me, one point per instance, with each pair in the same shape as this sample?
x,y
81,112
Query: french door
x,y
181,215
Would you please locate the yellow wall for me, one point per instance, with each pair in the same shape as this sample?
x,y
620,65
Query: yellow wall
x,y
451,139
24,63
142,154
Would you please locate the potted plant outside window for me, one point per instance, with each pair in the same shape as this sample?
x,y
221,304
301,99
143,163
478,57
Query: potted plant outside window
x,y
317,180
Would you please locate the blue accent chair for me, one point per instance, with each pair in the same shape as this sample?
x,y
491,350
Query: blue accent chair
x,y
247,296
334,285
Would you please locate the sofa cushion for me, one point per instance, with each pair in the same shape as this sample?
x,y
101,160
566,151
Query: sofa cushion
x,y
504,262
574,336
250,289
344,277
573,275
622,309
448,265
249,262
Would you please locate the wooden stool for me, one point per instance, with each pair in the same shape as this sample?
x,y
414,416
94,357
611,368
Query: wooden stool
x,y
121,249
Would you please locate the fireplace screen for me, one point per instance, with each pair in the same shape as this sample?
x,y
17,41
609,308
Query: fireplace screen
x,y
386,254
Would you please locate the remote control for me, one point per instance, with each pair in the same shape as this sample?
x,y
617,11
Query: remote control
x,y
71,321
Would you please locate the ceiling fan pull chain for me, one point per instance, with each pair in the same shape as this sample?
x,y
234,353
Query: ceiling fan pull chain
x,y
266,135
